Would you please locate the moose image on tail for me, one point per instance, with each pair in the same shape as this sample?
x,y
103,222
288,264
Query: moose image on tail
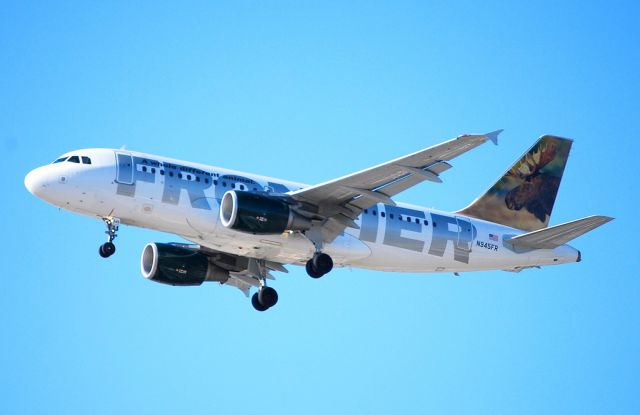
x,y
524,196
538,190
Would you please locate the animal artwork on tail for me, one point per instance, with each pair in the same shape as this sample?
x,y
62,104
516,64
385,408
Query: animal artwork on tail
x,y
523,198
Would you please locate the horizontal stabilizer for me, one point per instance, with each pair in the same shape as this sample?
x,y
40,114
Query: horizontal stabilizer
x,y
555,236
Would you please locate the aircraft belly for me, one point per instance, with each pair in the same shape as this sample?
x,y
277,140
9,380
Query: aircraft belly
x,y
288,247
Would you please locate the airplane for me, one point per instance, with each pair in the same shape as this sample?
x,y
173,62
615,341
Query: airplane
x,y
241,227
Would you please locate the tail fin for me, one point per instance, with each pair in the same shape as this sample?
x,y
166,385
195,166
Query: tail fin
x,y
523,198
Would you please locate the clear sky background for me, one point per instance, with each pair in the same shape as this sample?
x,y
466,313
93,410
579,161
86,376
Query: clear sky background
x,y
310,91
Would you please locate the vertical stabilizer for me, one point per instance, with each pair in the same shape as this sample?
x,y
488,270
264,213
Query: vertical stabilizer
x,y
523,197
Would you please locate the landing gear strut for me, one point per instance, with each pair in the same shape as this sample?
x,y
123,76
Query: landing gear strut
x,y
108,248
319,265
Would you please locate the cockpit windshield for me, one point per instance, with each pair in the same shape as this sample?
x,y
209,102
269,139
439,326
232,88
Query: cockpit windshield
x,y
73,159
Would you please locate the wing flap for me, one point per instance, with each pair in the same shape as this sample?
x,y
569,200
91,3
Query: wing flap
x,y
555,236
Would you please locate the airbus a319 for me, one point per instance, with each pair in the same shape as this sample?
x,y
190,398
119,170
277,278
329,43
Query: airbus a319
x,y
243,227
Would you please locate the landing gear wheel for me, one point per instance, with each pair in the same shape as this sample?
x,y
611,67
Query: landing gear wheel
x,y
268,297
311,271
319,265
322,263
107,249
255,302
264,299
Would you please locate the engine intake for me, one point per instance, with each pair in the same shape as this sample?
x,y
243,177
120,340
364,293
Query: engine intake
x,y
259,214
174,265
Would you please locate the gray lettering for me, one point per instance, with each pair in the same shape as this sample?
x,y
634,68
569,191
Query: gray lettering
x,y
395,226
228,182
460,238
176,179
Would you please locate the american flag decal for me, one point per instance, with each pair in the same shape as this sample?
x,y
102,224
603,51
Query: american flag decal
x,y
493,237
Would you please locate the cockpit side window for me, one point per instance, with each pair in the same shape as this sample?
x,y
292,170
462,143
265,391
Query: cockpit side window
x,y
86,160
60,160
74,159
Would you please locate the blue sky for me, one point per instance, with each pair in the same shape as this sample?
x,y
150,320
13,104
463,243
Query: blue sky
x,y
309,91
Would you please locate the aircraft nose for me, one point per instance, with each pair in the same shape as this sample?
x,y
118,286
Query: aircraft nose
x,y
36,182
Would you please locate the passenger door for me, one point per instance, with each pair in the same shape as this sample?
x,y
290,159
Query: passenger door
x,y
124,173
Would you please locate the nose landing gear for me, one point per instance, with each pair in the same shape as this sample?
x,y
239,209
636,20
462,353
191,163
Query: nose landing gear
x,y
108,248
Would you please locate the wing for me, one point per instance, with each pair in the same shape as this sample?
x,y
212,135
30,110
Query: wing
x,y
335,204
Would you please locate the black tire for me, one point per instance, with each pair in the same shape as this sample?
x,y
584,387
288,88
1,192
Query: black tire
x,y
268,297
255,302
322,263
312,271
107,249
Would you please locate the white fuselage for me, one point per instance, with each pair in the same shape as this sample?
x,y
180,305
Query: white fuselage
x,y
183,198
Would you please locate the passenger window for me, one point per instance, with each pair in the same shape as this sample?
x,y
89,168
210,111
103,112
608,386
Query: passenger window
x,y
144,169
197,178
391,215
426,222
161,172
188,177
366,211
86,160
153,170
375,213
417,220
409,219
74,159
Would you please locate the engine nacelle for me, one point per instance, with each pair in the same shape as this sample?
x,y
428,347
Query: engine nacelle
x,y
259,214
174,265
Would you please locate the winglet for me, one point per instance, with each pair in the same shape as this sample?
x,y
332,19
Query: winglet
x,y
493,136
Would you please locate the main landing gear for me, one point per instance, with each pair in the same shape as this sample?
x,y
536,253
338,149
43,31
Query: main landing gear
x,y
319,265
108,248
264,299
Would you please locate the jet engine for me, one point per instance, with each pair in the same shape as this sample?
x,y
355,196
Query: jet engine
x,y
259,214
175,265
